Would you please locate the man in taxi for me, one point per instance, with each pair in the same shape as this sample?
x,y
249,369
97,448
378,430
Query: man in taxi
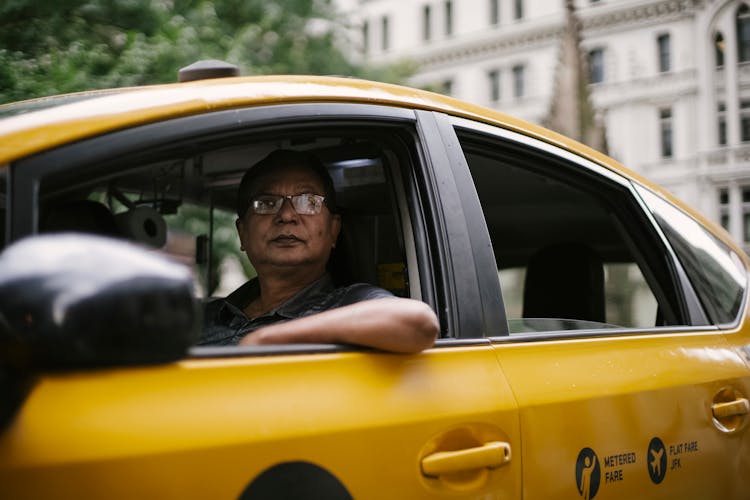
x,y
288,225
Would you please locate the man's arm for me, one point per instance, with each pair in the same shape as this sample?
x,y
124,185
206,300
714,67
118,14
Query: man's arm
x,y
391,324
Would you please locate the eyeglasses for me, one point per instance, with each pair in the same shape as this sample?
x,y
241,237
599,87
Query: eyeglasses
x,y
303,204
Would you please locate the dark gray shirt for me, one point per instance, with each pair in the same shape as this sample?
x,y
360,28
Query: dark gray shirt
x,y
225,322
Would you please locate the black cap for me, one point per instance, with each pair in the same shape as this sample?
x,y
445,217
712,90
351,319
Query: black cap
x,y
206,69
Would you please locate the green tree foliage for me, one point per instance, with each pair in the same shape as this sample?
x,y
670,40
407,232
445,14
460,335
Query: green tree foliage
x,y
57,46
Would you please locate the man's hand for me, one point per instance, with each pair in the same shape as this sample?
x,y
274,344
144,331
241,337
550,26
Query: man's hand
x,y
390,324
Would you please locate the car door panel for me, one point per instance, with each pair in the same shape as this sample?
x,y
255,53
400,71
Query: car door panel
x,y
735,424
606,412
207,427
611,396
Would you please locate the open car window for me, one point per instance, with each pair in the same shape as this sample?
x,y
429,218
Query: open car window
x,y
573,249
181,201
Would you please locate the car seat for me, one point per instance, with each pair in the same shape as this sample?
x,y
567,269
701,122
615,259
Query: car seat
x,y
85,216
565,281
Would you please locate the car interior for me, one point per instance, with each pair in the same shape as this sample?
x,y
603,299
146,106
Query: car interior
x,y
569,248
185,206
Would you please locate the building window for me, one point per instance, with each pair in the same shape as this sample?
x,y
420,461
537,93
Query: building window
x,y
724,208
725,213
517,9
743,33
596,65
518,81
448,17
663,44
385,33
722,123
746,214
665,127
494,12
426,23
745,120
719,47
493,79
366,37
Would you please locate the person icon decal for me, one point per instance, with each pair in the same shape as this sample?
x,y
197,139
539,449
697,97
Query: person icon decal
x,y
588,474
585,488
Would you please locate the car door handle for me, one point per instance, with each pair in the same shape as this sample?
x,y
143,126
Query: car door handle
x,y
489,455
740,406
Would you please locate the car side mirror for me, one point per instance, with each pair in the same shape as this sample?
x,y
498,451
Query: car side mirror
x,y
76,301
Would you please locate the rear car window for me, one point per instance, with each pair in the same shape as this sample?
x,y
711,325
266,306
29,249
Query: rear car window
x,y
574,249
714,270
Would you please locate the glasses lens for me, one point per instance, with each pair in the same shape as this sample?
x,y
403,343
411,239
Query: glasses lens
x,y
304,204
267,204
307,203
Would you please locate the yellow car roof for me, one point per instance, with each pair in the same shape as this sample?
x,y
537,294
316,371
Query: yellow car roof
x,y
36,125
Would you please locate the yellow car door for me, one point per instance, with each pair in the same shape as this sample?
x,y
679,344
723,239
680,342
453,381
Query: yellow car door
x,y
266,422
627,417
441,424
619,309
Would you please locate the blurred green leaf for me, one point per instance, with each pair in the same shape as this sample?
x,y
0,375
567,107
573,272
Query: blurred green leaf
x,y
58,46
50,47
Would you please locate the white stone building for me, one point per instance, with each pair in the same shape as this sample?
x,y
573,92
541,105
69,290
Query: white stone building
x,y
670,78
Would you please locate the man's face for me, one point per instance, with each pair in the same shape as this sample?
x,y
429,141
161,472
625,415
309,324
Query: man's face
x,y
287,240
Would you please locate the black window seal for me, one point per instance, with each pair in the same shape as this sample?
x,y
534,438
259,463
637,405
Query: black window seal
x,y
210,352
474,305
555,335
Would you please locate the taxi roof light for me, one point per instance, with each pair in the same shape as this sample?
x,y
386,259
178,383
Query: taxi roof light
x,y
206,69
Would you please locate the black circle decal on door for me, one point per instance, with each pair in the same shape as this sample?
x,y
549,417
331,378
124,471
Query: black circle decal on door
x,y
296,481
656,460
588,474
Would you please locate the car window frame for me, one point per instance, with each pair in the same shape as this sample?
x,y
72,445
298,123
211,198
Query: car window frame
x,y
642,190
693,310
462,241
420,195
27,172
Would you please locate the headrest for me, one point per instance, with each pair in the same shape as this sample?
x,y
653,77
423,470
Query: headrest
x,y
85,216
565,281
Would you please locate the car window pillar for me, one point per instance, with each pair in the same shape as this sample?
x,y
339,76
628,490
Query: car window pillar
x,y
464,246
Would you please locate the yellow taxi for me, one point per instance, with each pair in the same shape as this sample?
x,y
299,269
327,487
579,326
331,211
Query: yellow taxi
x,y
594,331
